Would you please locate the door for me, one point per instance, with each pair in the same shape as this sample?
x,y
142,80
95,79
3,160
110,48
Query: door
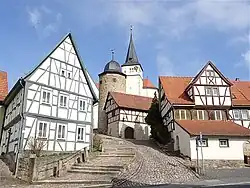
x,y
129,133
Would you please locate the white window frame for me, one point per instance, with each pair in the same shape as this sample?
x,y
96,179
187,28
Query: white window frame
x,y
210,89
69,72
65,131
204,143
79,105
42,131
82,133
224,145
245,114
63,71
238,112
67,98
198,114
46,93
217,91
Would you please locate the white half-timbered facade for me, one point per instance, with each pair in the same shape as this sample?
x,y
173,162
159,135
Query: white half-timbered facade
x,y
126,115
52,104
189,104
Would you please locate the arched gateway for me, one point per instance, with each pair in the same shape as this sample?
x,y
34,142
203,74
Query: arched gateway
x,y
129,133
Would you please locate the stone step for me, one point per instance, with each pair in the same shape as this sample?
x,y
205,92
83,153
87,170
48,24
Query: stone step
x,y
116,155
94,166
93,171
84,183
104,169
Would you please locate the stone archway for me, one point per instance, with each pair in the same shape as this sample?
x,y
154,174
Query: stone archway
x,y
129,133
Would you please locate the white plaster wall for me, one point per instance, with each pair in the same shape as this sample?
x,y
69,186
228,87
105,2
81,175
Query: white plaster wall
x,y
113,129
214,151
95,115
141,130
184,140
134,85
149,92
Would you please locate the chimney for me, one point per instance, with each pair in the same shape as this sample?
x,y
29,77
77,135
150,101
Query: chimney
x,y
237,79
3,85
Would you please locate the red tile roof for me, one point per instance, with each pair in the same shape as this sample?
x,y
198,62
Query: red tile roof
x,y
241,92
132,101
148,84
3,85
174,88
213,128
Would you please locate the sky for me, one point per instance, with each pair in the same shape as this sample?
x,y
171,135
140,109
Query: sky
x,y
174,38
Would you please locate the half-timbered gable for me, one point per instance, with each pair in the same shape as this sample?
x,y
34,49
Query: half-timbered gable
x,y
209,87
126,115
53,103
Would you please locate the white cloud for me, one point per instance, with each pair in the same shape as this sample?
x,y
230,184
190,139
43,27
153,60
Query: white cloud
x,y
44,20
246,57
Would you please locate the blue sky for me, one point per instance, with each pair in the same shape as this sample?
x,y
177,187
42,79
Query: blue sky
x,y
171,37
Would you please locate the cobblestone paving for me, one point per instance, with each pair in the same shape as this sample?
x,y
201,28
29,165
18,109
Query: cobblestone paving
x,y
157,168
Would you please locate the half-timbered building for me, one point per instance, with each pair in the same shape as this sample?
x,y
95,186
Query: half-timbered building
x,y
52,104
207,104
126,115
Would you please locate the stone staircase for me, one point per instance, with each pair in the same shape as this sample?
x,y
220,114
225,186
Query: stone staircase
x,y
99,171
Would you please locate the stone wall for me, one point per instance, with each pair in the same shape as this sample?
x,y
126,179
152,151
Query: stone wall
x,y
215,164
32,168
108,82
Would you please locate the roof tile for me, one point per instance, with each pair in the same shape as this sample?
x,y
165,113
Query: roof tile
x,y
132,101
213,128
148,84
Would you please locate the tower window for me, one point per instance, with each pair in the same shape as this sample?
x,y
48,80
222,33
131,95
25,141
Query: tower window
x,y
114,79
100,81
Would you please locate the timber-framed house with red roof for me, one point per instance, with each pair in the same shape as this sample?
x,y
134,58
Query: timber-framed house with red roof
x,y
208,104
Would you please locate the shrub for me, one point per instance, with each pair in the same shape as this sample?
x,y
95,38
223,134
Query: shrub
x,y
97,143
36,146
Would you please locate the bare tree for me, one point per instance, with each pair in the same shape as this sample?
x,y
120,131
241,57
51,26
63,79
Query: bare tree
x,y
36,145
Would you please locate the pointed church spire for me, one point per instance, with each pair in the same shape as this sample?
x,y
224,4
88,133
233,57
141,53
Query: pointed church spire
x,y
131,58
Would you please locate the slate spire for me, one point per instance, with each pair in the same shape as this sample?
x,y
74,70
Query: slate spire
x,y
131,58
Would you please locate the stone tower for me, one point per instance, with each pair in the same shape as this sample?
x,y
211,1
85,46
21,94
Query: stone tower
x,y
111,79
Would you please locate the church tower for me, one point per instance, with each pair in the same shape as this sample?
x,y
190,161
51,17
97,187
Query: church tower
x,y
133,69
111,79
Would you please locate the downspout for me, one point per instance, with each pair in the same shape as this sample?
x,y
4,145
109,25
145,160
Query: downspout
x,y
21,129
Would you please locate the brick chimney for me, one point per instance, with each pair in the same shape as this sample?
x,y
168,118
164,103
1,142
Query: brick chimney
x,y
3,85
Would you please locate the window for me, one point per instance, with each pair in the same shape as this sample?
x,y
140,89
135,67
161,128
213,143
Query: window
x,y
215,91
182,114
69,74
223,143
42,130
100,81
61,131
209,91
244,114
236,114
82,105
63,101
176,114
217,115
210,73
200,115
114,79
63,72
80,134
203,143
46,97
